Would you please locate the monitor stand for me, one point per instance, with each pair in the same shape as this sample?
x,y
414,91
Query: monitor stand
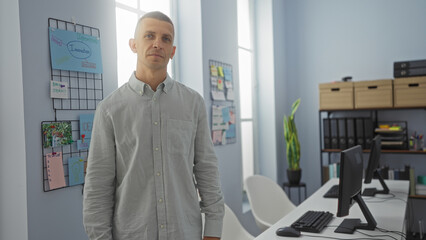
x,y
371,192
349,225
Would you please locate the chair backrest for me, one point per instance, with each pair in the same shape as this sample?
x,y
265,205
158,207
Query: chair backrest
x,y
268,201
232,228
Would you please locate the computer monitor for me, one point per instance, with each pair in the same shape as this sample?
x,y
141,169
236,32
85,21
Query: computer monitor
x,y
350,183
372,169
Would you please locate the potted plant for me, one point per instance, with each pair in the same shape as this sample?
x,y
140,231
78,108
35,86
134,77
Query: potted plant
x,y
294,173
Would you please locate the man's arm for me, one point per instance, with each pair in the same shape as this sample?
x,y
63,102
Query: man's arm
x,y
207,176
99,188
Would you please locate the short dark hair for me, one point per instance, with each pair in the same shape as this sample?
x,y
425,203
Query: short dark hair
x,y
155,15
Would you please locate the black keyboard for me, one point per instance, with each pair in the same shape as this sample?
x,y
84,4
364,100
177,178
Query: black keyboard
x,y
312,221
333,192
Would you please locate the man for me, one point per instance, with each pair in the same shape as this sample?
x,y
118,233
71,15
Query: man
x,y
151,153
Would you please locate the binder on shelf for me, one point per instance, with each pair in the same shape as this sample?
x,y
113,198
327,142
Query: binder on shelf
x,y
368,132
359,128
409,64
334,134
350,131
342,133
409,72
327,138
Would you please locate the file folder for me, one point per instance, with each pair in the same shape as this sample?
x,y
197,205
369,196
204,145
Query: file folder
x,y
334,133
359,126
342,133
350,128
327,139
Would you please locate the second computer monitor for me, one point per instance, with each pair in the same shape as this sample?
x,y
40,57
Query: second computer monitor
x,y
373,168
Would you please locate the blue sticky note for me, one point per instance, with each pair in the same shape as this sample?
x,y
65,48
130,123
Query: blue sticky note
x,y
75,170
230,133
225,114
228,74
86,124
74,51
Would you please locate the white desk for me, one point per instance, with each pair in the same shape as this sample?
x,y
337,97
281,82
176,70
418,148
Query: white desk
x,y
389,214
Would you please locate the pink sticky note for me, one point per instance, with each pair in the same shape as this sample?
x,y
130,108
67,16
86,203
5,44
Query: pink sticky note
x,y
55,170
232,117
217,137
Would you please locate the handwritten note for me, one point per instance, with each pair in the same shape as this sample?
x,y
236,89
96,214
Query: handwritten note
x,y
220,84
213,81
228,74
232,117
213,70
75,170
55,170
86,123
83,144
230,96
225,114
217,137
220,71
218,95
58,89
74,51
230,133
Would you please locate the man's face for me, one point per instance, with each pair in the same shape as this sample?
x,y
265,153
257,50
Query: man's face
x,y
153,43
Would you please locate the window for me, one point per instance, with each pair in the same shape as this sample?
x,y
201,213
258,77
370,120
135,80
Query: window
x,y
245,58
127,14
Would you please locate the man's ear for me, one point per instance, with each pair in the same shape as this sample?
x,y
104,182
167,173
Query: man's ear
x,y
173,52
132,44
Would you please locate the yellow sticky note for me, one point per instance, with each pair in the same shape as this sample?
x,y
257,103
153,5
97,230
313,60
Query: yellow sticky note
x,y
213,70
220,69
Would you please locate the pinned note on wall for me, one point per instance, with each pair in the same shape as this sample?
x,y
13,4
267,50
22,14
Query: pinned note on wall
x,y
223,124
75,170
58,89
55,170
213,70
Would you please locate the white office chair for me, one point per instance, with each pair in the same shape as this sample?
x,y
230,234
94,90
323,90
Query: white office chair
x,y
232,228
268,201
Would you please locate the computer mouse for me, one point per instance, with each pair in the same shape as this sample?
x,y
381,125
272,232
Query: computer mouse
x,y
287,232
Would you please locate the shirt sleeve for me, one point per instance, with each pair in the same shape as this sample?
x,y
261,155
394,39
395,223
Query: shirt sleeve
x,y
207,176
99,187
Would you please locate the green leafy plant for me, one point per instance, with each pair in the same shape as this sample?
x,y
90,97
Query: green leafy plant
x,y
290,134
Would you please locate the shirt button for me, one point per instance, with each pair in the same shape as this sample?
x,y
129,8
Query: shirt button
x,y
156,149
160,200
161,226
140,92
158,173
154,99
155,123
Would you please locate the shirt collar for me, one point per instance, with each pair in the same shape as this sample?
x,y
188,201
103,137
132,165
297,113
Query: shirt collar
x,y
139,86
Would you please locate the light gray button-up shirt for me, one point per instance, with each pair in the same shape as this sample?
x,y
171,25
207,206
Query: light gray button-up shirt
x,y
149,154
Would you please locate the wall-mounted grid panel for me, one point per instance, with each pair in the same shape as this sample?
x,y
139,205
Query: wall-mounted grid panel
x,y
85,89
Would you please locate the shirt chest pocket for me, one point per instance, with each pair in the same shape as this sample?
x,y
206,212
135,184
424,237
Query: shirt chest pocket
x,y
179,137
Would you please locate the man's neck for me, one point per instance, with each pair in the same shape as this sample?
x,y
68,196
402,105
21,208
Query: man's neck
x,y
152,78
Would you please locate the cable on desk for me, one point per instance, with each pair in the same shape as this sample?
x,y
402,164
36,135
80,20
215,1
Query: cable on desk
x,y
402,234
384,199
372,236
368,235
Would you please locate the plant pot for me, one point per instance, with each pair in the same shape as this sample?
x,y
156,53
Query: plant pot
x,y
294,176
